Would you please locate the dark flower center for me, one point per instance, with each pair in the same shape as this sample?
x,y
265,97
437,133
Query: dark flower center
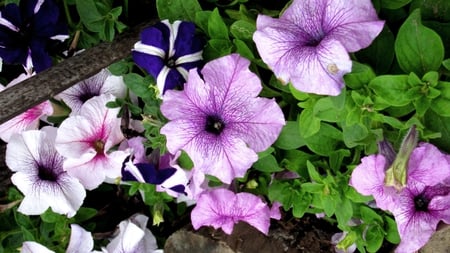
x,y
214,124
47,174
83,97
99,146
171,63
421,203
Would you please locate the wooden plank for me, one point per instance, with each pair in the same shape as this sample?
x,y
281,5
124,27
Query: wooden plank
x,y
56,79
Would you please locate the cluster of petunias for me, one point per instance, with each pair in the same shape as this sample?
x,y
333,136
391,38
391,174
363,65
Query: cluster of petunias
x,y
422,202
308,44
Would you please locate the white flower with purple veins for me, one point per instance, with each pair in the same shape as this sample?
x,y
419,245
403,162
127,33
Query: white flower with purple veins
x,y
222,208
86,139
219,120
101,83
167,51
134,236
309,44
39,174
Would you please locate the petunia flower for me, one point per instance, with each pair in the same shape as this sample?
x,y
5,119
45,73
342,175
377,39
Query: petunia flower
x,y
27,30
134,236
86,140
419,210
222,208
101,83
368,178
30,118
81,241
39,174
309,44
219,120
167,51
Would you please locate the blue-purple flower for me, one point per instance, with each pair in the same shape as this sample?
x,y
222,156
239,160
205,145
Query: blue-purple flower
x,y
309,44
219,120
26,31
167,51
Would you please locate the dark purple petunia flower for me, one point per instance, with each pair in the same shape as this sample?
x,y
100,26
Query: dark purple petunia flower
x,y
167,52
27,29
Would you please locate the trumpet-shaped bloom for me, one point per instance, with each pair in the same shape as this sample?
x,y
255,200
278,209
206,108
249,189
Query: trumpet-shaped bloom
x,y
101,83
133,237
29,119
27,30
222,208
309,44
219,121
167,51
86,139
39,174
419,210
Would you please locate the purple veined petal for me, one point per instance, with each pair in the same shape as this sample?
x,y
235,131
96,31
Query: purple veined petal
x,y
222,208
34,247
423,163
80,240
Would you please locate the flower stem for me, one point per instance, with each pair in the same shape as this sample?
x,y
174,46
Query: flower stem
x,y
67,11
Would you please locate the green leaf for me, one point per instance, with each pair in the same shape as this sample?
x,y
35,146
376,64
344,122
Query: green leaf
x,y
437,123
418,48
267,164
394,4
392,89
344,212
308,123
325,141
295,160
441,103
434,10
374,238
391,230
89,15
201,20
312,187
243,30
313,174
329,108
354,134
217,48
217,29
380,54
368,215
289,137
243,49
84,214
177,9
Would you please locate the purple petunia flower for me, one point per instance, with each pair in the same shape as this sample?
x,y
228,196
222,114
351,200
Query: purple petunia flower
x,y
219,121
27,30
167,52
39,174
418,211
309,44
222,208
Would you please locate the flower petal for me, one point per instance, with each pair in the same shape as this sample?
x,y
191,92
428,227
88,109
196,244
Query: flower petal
x,y
80,240
34,247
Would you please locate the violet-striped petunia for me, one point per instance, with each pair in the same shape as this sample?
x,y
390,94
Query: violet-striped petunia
x,y
28,29
418,212
222,208
219,121
167,51
86,139
308,45
39,174
101,83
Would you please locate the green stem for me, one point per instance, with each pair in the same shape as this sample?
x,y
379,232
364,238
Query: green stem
x,y
68,17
